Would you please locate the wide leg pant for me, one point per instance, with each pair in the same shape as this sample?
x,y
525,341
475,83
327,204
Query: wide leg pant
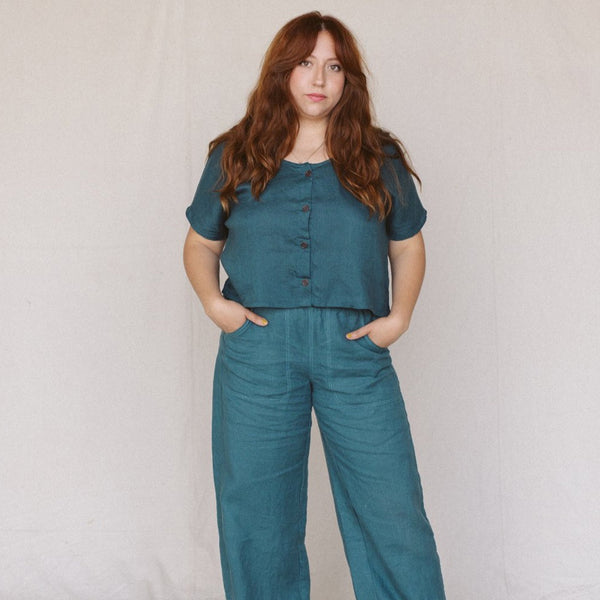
x,y
267,381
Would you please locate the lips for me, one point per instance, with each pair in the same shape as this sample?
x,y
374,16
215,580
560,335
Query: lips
x,y
316,97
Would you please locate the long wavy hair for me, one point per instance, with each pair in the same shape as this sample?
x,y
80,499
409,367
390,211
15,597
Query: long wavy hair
x,y
254,148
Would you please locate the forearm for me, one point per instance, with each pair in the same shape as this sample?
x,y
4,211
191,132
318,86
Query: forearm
x,y
407,262
201,260
201,264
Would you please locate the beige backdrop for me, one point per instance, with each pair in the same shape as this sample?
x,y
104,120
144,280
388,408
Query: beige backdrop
x,y
106,357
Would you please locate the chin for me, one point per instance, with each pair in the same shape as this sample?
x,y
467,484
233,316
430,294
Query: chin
x,y
316,114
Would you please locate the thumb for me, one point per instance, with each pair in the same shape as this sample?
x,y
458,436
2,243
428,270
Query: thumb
x,y
256,319
357,333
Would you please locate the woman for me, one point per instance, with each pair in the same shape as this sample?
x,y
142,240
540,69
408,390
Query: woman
x,y
303,201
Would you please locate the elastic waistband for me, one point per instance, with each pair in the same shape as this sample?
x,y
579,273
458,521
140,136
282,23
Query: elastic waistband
x,y
316,309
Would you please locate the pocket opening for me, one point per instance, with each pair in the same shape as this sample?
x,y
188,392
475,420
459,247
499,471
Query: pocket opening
x,y
239,330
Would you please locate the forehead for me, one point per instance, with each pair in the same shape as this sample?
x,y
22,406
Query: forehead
x,y
324,45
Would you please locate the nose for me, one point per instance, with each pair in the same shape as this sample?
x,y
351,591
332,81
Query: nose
x,y
319,76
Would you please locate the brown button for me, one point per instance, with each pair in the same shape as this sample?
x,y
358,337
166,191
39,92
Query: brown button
x,y
305,208
303,245
305,282
308,173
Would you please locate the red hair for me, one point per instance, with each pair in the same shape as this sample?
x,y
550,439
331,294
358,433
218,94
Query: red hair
x,y
254,148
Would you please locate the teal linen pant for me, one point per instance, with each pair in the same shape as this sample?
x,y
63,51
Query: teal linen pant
x,y
267,382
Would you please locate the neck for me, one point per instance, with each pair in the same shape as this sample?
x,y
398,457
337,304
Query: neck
x,y
309,145
311,132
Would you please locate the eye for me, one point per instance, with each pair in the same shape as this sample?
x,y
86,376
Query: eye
x,y
336,68
304,63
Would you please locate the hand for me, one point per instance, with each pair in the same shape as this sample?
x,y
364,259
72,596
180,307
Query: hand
x,y
229,315
383,332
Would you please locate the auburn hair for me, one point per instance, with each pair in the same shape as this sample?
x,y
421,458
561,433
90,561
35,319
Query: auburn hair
x,y
254,148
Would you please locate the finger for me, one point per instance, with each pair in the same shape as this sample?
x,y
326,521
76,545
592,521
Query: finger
x,y
357,333
256,319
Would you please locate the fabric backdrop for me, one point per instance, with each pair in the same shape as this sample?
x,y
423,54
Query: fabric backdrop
x,y
106,356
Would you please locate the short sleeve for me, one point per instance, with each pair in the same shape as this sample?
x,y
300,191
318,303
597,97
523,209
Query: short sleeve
x,y
205,213
408,215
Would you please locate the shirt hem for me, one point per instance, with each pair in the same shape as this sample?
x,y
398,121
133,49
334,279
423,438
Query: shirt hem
x,y
405,235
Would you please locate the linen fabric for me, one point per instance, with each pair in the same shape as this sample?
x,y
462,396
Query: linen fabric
x,y
267,381
307,241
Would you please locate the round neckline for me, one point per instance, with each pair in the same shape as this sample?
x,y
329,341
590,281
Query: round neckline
x,y
306,164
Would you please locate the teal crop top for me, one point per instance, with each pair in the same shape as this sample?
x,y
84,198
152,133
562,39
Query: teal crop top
x,y
307,241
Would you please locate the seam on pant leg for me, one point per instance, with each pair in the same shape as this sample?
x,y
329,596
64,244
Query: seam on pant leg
x,y
335,466
286,339
328,343
302,504
225,554
311,336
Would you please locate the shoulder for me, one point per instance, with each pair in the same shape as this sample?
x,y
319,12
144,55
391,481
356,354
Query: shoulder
x,y
213,163
391,150
393,162
215,151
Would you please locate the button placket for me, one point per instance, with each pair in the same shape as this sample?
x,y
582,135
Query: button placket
x,y
304,235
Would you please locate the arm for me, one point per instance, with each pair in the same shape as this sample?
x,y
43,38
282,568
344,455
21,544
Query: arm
x,y
407,261
201,261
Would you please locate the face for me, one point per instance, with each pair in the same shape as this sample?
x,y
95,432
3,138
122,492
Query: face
x,y
317,83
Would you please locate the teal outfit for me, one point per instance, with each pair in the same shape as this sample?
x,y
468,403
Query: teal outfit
x,y
308,258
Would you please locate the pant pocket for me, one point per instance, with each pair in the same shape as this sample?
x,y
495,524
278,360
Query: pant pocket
x,y
367,342
239,330
352,319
